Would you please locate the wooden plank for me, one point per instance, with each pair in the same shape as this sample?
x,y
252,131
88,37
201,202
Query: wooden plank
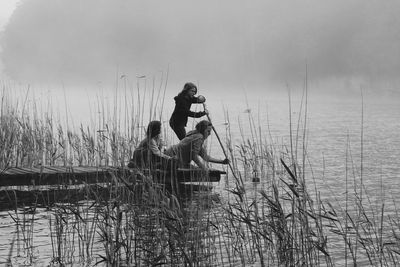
x,y
188,175
56,169
44,197
85,174
46,169
17,170
198,175
80,169
16,179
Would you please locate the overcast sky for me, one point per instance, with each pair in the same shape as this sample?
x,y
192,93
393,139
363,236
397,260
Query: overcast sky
x,y
213,42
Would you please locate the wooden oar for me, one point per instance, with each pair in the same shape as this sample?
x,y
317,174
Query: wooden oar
x,y
222,146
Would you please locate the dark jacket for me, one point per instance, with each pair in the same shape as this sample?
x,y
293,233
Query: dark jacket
x,y
182,110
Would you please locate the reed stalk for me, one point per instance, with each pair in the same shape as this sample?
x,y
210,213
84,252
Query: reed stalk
x,y
133,221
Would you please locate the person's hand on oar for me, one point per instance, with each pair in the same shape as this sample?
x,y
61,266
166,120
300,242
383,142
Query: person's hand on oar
x,y
191,148
201,99
183,102
206,111
226,160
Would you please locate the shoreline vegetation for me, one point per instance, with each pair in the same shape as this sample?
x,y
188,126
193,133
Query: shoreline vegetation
x,y
280,221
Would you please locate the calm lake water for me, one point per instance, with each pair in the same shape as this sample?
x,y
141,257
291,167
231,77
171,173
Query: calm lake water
x,y
333,134
334,130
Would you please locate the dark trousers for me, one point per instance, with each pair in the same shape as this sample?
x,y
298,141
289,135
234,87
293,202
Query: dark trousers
x,y
147,160
179,130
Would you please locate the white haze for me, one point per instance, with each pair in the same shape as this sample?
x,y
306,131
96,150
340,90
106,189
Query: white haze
x,y
225,43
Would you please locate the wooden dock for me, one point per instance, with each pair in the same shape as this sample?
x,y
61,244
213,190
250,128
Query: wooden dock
x,y
56,175
44,186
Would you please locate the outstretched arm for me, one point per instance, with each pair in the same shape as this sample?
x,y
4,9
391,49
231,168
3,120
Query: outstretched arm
x,y
200,163
196,114
208,158
203,166
155,149
182,108
200,99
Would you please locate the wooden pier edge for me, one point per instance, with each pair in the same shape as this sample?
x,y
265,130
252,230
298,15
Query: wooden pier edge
x,y
57,175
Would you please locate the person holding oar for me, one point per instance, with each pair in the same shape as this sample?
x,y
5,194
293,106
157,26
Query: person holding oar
x,y
191,148
238,179
183,102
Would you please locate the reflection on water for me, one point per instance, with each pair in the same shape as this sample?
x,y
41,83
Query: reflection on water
x,y
24,235
77,230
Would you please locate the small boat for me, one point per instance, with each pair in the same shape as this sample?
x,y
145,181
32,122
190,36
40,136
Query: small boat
x,y
46,185
72,175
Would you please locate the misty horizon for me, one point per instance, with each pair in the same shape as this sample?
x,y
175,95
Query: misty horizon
x,y
255,46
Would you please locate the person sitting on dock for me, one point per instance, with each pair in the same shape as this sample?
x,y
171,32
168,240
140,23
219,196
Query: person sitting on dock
x,y
148,154
191,148
183,102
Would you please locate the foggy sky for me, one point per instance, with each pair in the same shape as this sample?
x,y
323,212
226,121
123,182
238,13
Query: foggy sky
x,y
77,42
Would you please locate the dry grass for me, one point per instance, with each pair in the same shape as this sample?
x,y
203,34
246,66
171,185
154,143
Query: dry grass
x,y
135,222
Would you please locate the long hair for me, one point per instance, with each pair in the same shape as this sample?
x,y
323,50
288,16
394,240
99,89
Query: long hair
x,y
153,129
202,126
186,88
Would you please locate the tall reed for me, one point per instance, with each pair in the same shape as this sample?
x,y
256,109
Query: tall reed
x,y
133,221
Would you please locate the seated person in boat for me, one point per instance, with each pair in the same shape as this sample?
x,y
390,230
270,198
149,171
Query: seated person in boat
x,y
191,148
148,154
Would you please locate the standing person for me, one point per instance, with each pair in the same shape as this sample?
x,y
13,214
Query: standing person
x,y
148,154
191,148
183,102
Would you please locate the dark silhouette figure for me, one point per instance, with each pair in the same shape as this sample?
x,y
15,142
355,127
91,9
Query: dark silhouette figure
x,y
183,102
